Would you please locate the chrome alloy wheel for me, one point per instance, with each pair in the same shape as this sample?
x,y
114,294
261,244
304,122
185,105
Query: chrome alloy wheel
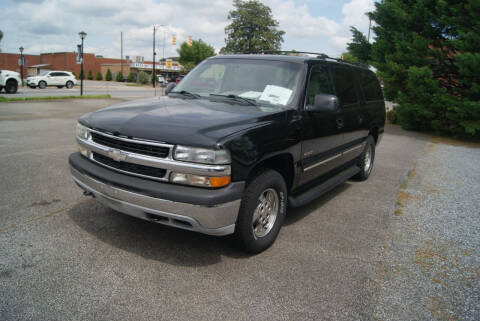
x,y
265,213
368,160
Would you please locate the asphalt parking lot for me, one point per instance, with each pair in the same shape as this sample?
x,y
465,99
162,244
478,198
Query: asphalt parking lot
x,y
365,251
90,87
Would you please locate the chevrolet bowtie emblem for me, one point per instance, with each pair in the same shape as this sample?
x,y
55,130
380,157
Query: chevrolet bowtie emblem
x,y
117,155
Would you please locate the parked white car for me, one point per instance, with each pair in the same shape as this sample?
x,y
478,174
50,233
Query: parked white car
x,y
52,78
10,80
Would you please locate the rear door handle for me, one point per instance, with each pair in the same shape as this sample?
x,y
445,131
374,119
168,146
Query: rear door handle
x,y
340,123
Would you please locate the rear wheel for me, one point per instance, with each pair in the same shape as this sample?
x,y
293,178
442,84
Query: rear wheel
x,y
262,211
365,160
42,85
11,86
69,84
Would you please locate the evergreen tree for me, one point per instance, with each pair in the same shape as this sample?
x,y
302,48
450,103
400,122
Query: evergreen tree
x,y
131,77
359,48
119,77
252,29
82,76
108,75
90,75
428,55
99,76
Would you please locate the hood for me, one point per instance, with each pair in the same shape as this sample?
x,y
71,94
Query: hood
x,y
194,122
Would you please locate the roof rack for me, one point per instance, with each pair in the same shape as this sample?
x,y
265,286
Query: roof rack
x,y
316,54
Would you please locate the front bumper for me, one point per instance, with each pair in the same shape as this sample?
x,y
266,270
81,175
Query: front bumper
x,y
212,212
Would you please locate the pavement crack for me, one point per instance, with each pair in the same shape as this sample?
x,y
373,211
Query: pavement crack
x,y
35,219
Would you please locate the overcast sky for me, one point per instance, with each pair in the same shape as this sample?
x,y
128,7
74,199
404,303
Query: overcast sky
x,y
53,25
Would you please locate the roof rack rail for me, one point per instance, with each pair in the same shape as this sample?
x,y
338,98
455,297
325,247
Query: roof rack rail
x,y
316,54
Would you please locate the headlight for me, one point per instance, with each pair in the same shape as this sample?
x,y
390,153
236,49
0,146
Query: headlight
x,y
201,155
82,132
196,180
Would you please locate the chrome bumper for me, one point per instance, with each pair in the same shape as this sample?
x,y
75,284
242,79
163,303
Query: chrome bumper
x,y
214,220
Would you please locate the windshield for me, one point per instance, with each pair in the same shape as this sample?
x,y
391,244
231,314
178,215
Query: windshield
x,y
264,82
44,73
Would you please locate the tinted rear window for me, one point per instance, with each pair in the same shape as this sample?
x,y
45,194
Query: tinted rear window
x,y
370,86
345,86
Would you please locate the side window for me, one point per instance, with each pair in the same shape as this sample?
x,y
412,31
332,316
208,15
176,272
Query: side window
x,y
370,86
345,86
54,74
319,83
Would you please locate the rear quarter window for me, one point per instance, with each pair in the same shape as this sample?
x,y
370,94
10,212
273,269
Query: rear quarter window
x,y
344,80
370,86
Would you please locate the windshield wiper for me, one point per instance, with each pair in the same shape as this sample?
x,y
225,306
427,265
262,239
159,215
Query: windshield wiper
x,y
238,98
186,93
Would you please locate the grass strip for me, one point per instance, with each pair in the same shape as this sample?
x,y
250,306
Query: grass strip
x,y
7,99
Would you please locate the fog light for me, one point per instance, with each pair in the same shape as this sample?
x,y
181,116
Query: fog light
x,y
196,180
84,151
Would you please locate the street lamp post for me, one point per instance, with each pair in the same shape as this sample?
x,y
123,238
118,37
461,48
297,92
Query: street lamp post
x,y
21,63
82,35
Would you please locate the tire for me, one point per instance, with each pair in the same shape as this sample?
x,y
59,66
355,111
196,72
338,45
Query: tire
x,y
1,88
69,84
59,87
11,86
257,227
365,160
42,85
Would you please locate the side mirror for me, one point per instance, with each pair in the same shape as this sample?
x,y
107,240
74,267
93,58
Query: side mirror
x,y
169,87
324,103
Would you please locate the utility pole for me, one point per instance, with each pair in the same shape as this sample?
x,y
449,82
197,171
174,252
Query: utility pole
x,y
154,53
121,52
22,62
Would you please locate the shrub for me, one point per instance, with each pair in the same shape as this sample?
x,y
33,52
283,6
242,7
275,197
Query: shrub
x,y
131,77
99,76
90,75
119,77
82,76
143,77
108,75
392,116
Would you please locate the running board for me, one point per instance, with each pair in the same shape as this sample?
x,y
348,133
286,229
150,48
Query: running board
x,y
311,194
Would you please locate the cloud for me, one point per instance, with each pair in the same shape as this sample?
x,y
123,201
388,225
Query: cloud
x,y
52,25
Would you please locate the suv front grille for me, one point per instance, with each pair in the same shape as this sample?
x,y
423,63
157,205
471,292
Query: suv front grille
x,y
138,148
129,167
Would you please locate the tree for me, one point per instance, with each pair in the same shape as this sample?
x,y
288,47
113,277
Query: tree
x,y
82,76
119,77
428,55
359,48
90,75
189,57
131,77
108,75
99,76
252,29
143,77
349,57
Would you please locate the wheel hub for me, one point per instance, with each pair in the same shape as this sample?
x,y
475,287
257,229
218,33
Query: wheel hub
x,y
265,213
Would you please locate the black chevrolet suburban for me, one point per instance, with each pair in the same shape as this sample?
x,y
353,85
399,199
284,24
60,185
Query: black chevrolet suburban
x,y
238,141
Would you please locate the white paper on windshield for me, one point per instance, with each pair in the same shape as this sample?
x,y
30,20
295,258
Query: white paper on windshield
x,y
276,95
251,94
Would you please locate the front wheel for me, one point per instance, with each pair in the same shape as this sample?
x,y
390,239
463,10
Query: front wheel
x,y
365,160
262,211
59,87
11,87
42,85
69,84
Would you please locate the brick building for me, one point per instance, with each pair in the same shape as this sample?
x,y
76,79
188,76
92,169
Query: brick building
x,y
67,61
